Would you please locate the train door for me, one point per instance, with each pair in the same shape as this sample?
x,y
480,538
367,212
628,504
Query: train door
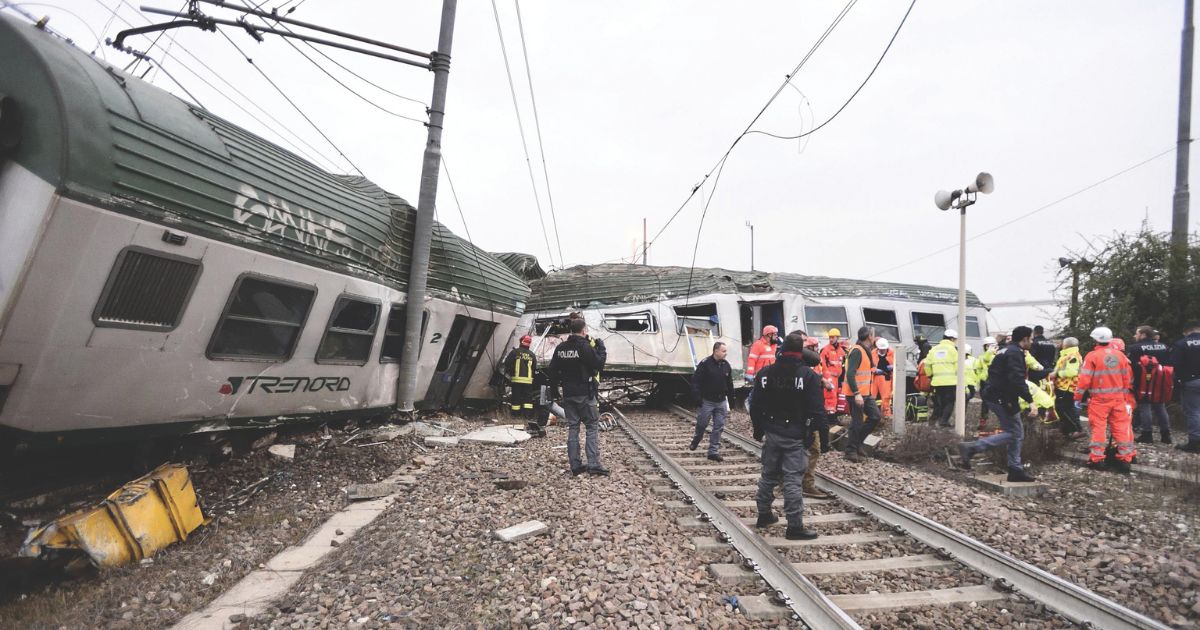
x,y
756,315
464,345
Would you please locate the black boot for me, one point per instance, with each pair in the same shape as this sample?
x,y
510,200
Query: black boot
x,y
1122,467
1019,475
1166,437
716,457
964,455
766,520
1192,446
1145,438
799,532
695,443
1100,465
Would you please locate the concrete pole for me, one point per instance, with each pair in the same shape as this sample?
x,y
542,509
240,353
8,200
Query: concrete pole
x,y
1179,216
645,245
406,383
899,389
960,395
751,226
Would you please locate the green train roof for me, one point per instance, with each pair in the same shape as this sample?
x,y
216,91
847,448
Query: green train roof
x,y
613,284
105,137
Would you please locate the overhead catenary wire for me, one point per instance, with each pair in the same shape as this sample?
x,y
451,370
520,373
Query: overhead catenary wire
x,y
787,80
521,129
296,107
1022,217
537,125
44,5
316,157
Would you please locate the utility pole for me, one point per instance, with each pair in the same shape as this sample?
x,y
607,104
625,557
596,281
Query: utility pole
x,y
406,384
751,226
1179,209
645,245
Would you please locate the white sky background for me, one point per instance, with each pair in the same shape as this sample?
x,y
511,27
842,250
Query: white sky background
x,y
638,100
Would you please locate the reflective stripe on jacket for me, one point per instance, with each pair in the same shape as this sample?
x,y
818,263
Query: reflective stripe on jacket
x,y
1106,375
762,354
942,364
833,359
863,363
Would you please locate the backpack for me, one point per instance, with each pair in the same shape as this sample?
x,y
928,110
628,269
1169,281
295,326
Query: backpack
x,y
1158,381
923,382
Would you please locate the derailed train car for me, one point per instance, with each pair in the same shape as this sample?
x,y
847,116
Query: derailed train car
x,y
657,322
163,270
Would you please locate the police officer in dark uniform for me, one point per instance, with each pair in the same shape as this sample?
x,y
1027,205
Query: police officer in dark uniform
x,y
788,404
1044,352
575,367
1145,349
1185,358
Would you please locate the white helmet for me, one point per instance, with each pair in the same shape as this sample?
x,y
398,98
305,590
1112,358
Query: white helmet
x,y
989,341
950,334
1102,334
968,348
881,343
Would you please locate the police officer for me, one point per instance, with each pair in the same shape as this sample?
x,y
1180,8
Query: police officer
x,y
788,400
1006,385
1185,358
1044,352
576,367
1144,354
712,384
520,366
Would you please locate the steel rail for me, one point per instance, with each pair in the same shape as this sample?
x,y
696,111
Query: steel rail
x,y
1069,600
813,607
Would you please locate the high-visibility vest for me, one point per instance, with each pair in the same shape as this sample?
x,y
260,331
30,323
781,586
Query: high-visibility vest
x,y
762,354
863,377
941,364
1066,371
523,366
1106,375
970,372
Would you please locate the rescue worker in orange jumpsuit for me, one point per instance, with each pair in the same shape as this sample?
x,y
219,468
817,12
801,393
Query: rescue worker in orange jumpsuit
x,y
1107,377
833,356
762,352
885,361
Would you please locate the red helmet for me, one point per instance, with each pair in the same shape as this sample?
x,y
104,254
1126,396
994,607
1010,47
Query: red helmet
x,y
770,330
811,342
1118,343
526,341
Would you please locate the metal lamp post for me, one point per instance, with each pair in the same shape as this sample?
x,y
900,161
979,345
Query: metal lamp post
x,y
959,200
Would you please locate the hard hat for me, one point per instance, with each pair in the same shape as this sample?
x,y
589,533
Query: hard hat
x,y
950,334
833,332
811,342
989,341
1119,344
881,343
968,348
770,330
1102,335
526,340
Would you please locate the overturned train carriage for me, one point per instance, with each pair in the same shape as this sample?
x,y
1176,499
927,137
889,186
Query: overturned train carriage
x,y
161,268
657,322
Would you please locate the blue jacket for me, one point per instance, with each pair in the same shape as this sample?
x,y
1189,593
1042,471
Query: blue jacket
x,y
1006,377
1185,356
789,399
713,380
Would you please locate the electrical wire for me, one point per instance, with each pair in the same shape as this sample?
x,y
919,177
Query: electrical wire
x,y
787,80
521,128
154,42
1022,217
104,31
537,124
856,91
291,102
475,252
44,5
316,157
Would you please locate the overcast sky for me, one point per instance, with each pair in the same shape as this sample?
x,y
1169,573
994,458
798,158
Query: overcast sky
x,y
638,100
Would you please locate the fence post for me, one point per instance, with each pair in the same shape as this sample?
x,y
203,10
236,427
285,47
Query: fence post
x,y
899,390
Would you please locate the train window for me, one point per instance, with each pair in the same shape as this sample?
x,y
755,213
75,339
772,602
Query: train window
x,y
551,326
932,325
884,322
973,329
146,290
820,319
393,335
262,320
643,322
698,318
351,332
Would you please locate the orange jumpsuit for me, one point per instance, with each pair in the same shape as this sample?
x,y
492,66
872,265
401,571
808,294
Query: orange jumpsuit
x,y
762,354
882,385
1107,376
833,356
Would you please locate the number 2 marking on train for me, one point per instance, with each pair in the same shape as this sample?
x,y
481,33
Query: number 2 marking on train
x,y
437,337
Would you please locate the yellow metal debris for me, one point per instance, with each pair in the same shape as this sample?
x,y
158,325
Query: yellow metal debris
x,y
135,522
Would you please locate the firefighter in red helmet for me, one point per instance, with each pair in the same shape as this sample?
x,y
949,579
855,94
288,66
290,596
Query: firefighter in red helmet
x,y
762,351
520,366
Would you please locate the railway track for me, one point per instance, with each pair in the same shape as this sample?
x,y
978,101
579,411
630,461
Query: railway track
x,y
820,583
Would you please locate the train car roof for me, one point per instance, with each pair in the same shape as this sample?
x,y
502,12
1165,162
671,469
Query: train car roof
x,y
614,284
108,138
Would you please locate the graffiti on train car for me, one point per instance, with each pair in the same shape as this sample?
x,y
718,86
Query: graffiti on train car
x,y
285,384
276,216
